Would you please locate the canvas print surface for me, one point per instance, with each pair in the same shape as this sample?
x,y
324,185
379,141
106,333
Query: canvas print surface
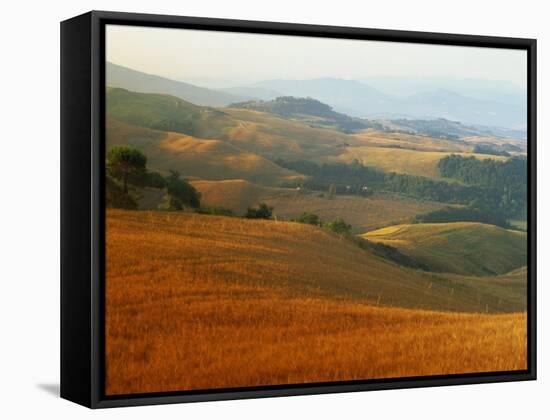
x,y
293,210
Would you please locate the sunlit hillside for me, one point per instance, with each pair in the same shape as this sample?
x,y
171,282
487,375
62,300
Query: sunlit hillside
x,y
461,247
401,160
196,157
226,302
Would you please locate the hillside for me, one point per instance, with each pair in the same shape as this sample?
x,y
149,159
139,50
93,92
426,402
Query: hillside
x,y
240,303
305,109
196,157
274,136
291,255
463,247
443,128
362,213
361,99
404,161
137,81
165,113
233,194
261,133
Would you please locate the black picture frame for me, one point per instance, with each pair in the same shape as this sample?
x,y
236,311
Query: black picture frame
x,y
82,206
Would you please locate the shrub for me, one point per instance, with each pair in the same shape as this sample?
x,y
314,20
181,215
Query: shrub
x,y
126,164
181,191
262,212
115,197
155,180
337,226
309,218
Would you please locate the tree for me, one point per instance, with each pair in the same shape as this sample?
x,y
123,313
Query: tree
x,y
155,180
115,197
126,164
182,193
262,212
309,218
338,226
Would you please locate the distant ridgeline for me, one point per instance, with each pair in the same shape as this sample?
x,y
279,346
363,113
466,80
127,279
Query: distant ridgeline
x,y
290,106
454,130
493,192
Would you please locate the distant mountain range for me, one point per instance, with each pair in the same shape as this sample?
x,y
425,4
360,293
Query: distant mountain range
x,y
489,90
361,100
496,104
136,81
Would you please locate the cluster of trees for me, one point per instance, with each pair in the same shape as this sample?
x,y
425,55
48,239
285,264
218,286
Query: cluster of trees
x,y
491,191
262,212
462,214
341,227
355,178
506,182
289,106
126,170
488,150
337,178
338,225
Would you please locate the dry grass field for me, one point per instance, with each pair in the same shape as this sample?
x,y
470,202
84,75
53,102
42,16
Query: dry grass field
x,y
405,161
234,194
362,213
371,137
198,302
197,157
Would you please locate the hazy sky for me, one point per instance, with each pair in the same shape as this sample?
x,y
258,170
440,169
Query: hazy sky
x,y
229,59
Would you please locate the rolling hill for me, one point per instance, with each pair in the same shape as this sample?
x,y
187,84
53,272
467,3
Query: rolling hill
x,y
126,78
261,133
404,161
307,109
195,157
351,97
360,99
466,248
165,113
233,194
293,256
226,302
275,136
362,213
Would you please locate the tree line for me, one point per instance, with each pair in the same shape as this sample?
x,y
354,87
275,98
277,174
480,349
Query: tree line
x,y
506,179
490,191
356,178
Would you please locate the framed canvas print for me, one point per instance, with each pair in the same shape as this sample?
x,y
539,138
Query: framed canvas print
x,y
255,209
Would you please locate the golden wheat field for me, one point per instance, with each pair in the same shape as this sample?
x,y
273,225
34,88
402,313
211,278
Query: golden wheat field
x,y
200,302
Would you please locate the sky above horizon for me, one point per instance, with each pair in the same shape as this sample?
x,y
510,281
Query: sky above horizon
x,y
223,59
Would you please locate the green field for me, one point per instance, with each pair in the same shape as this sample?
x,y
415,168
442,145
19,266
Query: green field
x,y
463,247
